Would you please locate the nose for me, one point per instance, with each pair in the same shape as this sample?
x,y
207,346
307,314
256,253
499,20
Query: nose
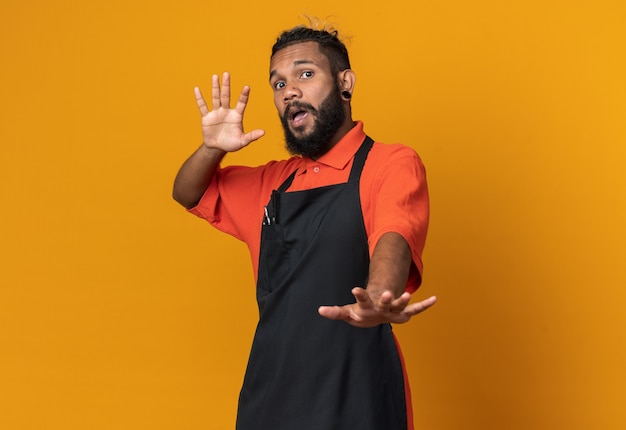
x,y
292,92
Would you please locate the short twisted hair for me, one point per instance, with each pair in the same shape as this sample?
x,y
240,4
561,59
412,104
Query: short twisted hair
x,y
327,40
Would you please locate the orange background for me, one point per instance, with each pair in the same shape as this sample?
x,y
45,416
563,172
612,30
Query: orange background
x,y
120,311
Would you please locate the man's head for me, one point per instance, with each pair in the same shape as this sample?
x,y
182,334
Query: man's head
x,y
309,71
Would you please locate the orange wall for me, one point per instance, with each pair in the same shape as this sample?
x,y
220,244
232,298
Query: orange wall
x,y
120,311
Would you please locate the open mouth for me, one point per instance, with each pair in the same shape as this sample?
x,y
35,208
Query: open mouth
x,y
298,116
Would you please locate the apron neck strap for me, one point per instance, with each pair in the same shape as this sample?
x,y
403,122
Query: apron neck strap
x,y
359,159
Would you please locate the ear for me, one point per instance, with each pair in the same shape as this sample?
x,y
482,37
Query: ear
x,y
346,80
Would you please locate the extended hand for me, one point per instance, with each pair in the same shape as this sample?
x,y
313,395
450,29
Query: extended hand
x,y
369,312
222,127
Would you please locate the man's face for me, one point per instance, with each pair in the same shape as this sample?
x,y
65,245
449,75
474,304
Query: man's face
x,y
307,97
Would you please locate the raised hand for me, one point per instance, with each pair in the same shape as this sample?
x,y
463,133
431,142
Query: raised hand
x,y
222,127
369,312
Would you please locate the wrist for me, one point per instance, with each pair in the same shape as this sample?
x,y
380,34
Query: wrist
x,y
212,150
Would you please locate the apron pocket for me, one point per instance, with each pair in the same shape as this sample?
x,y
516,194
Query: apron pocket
x,y
274,259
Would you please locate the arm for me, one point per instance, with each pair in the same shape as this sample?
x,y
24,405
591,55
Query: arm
x,y
222,132
384,300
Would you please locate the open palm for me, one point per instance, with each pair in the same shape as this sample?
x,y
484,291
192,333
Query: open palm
x,y
222,127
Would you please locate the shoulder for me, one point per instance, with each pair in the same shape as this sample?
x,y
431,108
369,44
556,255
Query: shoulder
x,y
386,157
388,151
280,169
268,173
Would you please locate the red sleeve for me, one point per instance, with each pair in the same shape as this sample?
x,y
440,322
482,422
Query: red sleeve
x,y
228,204
233,203
398,201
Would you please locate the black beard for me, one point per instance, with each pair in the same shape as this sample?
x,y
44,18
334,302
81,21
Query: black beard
x,y
328,119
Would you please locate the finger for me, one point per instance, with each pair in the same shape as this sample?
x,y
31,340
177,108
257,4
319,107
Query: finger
x,y
215,92
335,313
200,101
400,303
363,299
384,302
242,102
419,307
225,92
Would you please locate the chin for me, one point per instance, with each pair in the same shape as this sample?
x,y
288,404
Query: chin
x,y
300,131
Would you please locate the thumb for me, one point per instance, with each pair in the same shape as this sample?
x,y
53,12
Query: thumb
x,y
252,136
332,312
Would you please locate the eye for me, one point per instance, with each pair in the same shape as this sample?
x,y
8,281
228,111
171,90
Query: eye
x,y
307,74
279,85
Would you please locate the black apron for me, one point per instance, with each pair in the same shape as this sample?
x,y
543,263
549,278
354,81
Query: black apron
x,y
305,371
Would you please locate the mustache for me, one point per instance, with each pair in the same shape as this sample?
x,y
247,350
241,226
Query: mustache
x,y
298,106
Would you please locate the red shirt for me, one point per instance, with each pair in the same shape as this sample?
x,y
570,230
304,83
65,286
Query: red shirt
x,y
393,190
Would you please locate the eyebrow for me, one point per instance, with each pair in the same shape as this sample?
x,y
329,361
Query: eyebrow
x,y
295,63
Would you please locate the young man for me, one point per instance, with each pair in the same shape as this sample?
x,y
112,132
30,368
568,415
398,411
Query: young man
x,y
335,233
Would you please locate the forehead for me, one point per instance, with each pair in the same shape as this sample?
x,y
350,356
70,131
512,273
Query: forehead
x,y
296,54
